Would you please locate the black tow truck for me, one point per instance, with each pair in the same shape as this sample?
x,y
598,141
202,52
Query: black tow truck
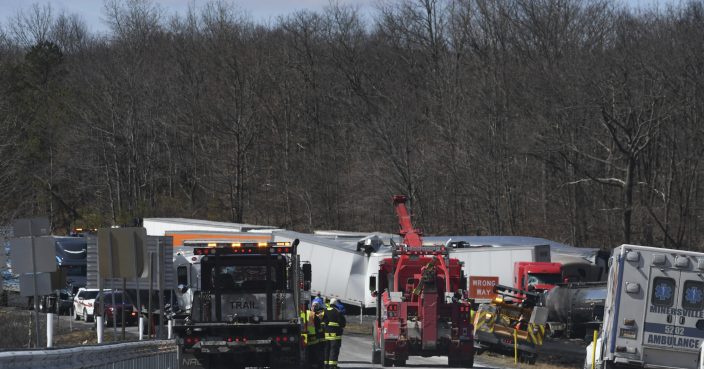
x,y
243,305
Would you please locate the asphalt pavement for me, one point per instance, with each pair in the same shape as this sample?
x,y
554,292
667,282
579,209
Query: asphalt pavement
x,y
356,353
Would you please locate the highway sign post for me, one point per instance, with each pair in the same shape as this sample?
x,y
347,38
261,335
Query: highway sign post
x,y
121,254
33,228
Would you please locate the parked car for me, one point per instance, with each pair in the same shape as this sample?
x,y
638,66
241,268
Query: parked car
x,y
48,303
114,312
65,302
83,304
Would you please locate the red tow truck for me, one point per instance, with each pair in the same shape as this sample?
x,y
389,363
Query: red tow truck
x,y
421,310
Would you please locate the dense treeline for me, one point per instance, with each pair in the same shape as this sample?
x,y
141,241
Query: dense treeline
x,y
575,120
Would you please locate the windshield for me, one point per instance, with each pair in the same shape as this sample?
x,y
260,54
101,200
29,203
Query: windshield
x,y
89,294
543,278
242,277
245,275
108,298
75,270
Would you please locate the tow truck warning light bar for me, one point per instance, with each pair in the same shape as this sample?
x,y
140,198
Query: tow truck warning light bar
x,y
422,250
232,248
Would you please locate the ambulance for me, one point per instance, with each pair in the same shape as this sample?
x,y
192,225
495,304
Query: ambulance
x,y
654,313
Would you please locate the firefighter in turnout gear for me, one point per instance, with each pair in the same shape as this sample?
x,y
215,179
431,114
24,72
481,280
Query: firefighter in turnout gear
x,y
319,309
313,336
334,323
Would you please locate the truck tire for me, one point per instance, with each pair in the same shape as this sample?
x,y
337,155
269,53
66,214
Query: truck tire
x,y
376,357
399,363
376,353
470,362
385,362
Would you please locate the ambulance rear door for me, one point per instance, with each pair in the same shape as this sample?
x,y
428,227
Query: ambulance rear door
x,y
670,333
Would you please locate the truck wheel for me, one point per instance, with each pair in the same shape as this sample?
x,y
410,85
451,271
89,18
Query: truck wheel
x,y
385,362
399,362
469,363
76,316
86,317
376,357
376,353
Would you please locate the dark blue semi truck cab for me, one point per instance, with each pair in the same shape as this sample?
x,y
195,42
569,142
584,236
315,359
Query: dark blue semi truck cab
x,y
71,258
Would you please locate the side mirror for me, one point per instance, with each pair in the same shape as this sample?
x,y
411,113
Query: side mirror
x,y
307,276
372,283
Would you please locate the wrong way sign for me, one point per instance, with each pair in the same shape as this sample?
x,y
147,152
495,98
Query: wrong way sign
x,y
482,287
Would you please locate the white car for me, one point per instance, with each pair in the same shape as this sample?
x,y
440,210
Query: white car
x,y
83,303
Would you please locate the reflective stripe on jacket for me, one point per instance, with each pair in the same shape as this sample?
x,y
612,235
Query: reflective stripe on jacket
x,y
334,322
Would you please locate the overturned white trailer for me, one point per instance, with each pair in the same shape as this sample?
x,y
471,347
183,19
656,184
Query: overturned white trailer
x,y
161,226
339,268
342,262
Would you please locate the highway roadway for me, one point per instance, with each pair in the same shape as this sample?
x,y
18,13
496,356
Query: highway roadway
x,y
356,350
356,353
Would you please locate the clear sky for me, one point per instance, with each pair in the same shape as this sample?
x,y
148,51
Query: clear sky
x,y
92,10
260,10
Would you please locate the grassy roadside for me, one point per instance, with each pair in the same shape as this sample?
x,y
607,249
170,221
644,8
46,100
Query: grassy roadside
x,y
17,331
358,328
544,361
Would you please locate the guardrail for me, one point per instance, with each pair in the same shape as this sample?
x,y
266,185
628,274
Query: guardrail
x,y
160,354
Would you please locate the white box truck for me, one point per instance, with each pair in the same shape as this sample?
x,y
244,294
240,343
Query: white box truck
x,y
654,313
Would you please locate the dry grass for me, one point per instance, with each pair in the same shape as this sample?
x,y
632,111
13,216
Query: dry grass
x,y
17,329
543,362
15,325
357,328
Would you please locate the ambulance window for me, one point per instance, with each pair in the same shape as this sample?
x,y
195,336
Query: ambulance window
x,y
663,293
693,295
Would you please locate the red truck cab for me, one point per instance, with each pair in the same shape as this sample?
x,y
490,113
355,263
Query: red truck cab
x,y
536,276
